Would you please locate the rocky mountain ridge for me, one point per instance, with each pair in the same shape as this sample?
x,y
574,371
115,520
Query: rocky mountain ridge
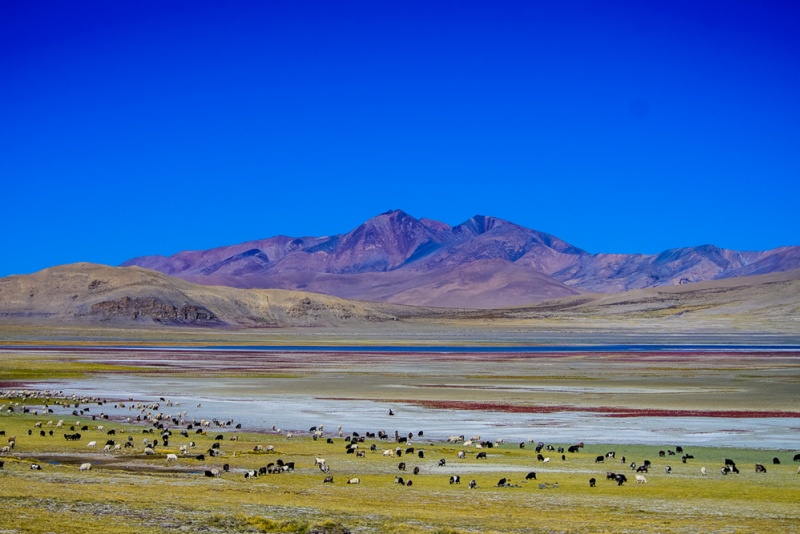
x,y
484,262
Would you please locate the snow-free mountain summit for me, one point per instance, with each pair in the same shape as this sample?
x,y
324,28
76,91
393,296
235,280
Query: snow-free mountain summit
x,y
484,262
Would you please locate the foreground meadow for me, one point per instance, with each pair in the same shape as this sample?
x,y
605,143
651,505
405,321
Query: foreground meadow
x,y
130,491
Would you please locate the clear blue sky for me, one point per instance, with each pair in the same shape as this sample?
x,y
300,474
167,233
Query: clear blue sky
x,y
135,128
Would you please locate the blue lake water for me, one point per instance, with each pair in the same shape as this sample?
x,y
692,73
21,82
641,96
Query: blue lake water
x,y
499,348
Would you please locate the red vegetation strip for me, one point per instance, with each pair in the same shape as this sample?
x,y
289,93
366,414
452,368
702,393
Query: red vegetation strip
x,y
606,411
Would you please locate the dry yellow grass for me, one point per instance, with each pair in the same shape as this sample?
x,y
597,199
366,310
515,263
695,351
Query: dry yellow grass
x,y
129,492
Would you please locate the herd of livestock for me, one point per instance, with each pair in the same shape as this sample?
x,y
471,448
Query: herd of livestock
x,y
172,437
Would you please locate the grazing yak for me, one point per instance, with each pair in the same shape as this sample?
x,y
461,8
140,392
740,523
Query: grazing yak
x,y
592,482
640,479
85,467
531,476
473,484
730,467
480,455
455,479
328,480
760,468
354,481
288,466
618,478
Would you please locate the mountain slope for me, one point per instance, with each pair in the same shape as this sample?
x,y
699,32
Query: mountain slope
x,y
753,299
397,258
97,293
88,294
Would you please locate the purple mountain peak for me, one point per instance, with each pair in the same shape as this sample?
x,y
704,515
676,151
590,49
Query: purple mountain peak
x,y
480,224
383,243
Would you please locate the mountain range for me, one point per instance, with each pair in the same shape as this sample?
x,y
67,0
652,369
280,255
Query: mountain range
x,y
85,294
484,262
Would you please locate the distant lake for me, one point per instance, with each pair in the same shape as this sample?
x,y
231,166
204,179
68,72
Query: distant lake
x,y
497,348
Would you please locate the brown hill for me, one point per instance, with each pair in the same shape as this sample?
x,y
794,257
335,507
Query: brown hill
x,y
85,293
93,293
773,298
